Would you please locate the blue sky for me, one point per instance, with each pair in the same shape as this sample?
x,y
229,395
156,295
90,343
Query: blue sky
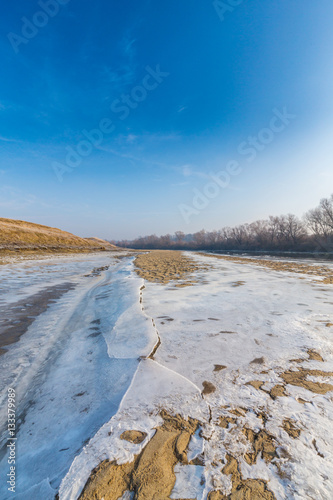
x,y
221,81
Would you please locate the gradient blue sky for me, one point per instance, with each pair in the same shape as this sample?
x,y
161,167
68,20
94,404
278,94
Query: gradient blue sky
x,y
225,78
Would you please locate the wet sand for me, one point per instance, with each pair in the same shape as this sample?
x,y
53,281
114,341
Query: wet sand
x,y
151,475
18,316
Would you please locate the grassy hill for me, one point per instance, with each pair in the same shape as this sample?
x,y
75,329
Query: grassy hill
x,y
21,236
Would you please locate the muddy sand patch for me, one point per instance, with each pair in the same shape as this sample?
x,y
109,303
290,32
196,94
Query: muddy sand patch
x,y
299,379
164,266
151,475
242,489
290,428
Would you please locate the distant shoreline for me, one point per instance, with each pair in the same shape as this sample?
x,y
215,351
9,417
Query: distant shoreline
x,y
271,253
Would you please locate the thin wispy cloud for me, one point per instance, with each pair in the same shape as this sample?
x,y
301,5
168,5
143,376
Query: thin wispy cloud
x,y
15,199
8,139
120,76
134,158
63,85
147,137
123,74
181,109
188,171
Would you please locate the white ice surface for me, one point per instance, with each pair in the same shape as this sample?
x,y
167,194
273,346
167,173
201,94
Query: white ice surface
x,y
153,388
69,380
276,316
189,482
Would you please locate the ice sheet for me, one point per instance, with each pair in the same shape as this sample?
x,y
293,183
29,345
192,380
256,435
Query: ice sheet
x,y
68,377
237,321
247,320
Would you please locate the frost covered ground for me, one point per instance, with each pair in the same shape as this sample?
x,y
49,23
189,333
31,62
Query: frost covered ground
x,y
245,350
66,383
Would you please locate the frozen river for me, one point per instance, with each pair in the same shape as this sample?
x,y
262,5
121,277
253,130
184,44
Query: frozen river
x,y
81,375
68,377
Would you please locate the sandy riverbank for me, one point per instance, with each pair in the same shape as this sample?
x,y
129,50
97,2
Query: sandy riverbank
x,y
264,430
222,370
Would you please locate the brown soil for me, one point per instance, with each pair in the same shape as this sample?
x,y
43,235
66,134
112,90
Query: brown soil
x,y
277,391
164,266
239,412
263,416
290,428
225,421
218,368
157,345
151,475
216,495
314,355
257,384
263,446
242,489
293,267
302,401
314,442
258,361
208,388
299,378
135,437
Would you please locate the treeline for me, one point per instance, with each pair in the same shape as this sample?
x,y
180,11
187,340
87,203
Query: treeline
x,y
312,233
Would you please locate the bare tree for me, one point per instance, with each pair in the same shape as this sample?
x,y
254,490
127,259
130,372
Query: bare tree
x,y
282,232
240,234
259,233
199,238
326,207
180,237
320,222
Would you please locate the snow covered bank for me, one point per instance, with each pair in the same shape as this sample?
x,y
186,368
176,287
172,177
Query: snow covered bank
x,y
71,368
238,350
244,350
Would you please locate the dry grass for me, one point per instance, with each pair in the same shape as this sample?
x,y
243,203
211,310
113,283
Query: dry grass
x,y
20,236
